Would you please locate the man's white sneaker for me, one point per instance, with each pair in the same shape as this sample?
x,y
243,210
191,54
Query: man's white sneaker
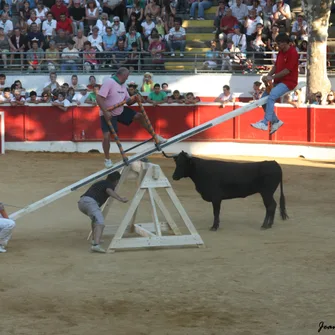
x,y
181,55
108,163
173,54
161,139
275,126
101,241
2,248
97,248
259,125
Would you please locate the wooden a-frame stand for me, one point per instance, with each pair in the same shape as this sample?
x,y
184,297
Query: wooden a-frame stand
x,y
150,177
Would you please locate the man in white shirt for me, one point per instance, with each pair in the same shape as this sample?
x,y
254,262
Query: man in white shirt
x,y
49,26
177,38
6,24
240,11
81,94
299,29
239,39
282,14
6,96
251,23
53,83
70,57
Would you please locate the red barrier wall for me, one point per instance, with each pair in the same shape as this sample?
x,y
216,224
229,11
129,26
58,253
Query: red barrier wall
x,y
312,125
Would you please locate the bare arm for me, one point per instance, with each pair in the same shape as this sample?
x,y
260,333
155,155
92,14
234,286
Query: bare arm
x,y
101,101
114,195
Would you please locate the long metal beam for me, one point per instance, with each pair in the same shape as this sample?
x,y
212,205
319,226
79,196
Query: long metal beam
x,y
178,138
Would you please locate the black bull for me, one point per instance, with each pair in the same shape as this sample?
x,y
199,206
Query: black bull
x,y
219,180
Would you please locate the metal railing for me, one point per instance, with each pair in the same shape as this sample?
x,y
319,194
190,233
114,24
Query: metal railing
x,y
250,62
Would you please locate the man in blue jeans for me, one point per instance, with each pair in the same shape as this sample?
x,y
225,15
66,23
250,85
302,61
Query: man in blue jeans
x,y
284,74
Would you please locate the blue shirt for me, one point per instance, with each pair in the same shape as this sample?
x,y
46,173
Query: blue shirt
x,y
109,40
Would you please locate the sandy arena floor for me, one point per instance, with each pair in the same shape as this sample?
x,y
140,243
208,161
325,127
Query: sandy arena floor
x,y
246,281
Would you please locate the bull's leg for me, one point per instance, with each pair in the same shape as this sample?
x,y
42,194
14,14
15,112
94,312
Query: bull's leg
x,y
270,205
216,211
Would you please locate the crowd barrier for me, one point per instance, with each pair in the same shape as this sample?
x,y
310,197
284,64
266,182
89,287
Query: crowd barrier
x,y
306,125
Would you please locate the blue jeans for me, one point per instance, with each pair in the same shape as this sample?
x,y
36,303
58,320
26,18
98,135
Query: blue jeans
x,y
173,45
269,108
202,6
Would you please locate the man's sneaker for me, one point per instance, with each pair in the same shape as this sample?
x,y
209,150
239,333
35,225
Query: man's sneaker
x,y
181,55
108,163
101,241
97,248
173,54
191,18
161,139
259,125
2,248
275,126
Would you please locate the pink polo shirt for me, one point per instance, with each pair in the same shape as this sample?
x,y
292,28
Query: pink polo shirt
x,y
114,93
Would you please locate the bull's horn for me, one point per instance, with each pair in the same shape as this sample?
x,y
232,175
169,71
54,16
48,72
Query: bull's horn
x,y
167,156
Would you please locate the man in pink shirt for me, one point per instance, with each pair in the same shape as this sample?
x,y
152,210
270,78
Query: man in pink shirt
x,y
112,92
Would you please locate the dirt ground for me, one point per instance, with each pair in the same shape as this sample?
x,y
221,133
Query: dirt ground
x,y
245,281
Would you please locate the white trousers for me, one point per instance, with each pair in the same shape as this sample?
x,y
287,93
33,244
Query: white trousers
x,y
6,227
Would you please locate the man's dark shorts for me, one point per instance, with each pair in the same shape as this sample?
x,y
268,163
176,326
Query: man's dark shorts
x,y
125,118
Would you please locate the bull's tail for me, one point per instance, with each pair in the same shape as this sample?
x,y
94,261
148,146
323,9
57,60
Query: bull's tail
x,y
283,212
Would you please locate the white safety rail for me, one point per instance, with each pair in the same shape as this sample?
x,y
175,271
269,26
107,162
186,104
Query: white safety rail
x,y
2,132
178,138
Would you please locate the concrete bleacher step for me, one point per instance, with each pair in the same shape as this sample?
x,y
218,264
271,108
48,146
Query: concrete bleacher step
x,y
199,37
196,50
180,66
195,26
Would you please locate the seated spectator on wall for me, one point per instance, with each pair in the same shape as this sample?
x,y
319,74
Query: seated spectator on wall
x,y
165,88
239,39
92,83
79,40
2,82
45,97
4,47
33,99
17,85
49,27
65,23
35,57
53,83
225,97
157,97
6,97
61,102
282,14
177,38
70,57
89,58
176,98
299,29
77,15
317,98
17,99
132,90
156,49
330,98
293,98
219,14
52,57
202,5
227,24
191,99
92,96
212,57
148,84
257,91
80,94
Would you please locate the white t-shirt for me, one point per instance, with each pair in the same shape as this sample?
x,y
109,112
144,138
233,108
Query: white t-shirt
x,y
7,26
13,99
41,14
181,32
48,27
95,42
78,97
251,28
286,9
148,27
53,86
223,97
65,102
102,28
37,21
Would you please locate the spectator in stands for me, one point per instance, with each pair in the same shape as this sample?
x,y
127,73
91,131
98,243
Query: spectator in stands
x,y
89,57
49,27
317,100
256,6
25,11
61,102
293,98
147,26
2,82
18,86
33,99
53,83
80,95
267,15
52,57
45,97
165,88
240,11
6,97
138,10
17,99
257,91
35,35
176,98
160,27
202,5
59,8
152,9
79,40
119,56
225,97
250,25
41,11
34,19
157,97
232,57
227,25
108,42
65,24
6,10
35,57
74,81
92,83
212,57
133,36
148,84
18,44
133,22
92,13
191,99
4,47
239,39
330,98
132,90
169,24
102,24
299,29
282,14
77,15
92,96
156,49
113,7
6,24
303,57
258,44
95,39
220,13
133,57
177,38
272,37
70,58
